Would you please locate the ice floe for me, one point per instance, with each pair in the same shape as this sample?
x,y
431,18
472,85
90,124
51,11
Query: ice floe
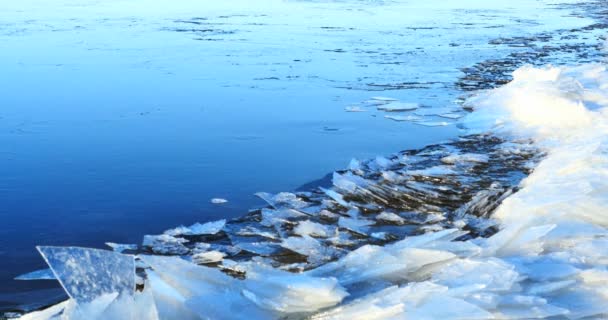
x,y
398,106
219,201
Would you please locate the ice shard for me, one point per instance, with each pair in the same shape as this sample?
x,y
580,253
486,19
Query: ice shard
x,y
87,274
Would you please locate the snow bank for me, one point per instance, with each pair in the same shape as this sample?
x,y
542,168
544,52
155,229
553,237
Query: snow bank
x,y
549,259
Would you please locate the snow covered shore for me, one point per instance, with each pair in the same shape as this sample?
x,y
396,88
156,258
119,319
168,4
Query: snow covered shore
x,y
548,259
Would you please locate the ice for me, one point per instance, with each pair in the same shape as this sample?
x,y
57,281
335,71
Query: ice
x,y
354,109
212,227
219,201
165,244
398,106
50,313
183,290
260,248
434,111
313,249
283,200
120,248
469,157
208,257
87,274
360,226
432,123
433,171
43,274
384,99
546,256
309,228
452,116
404,118
390,217
286,292
271,217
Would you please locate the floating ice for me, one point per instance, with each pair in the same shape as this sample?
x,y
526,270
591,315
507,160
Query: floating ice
x,y
219,201
433,123
398,106
452,116
404,118
435,111
354,109
381,100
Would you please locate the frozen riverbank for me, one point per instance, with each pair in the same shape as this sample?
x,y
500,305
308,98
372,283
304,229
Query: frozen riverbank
x,y
427,195
546,258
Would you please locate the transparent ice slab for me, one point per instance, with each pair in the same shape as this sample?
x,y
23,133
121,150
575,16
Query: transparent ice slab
x,y
87,274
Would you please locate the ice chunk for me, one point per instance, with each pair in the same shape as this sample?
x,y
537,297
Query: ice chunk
x,y
309,228
404,118
43,274
383,99
354,109
432,123
287,292
450,115
120,248
283,200
260,248
208,257
434,111
271,217
493,274
433,171
390,217
360,226
467,157
336,197
87,274
50,313
212,227
398,106
309,247
165,244
219,201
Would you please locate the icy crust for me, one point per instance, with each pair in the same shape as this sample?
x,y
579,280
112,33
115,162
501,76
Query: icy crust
x,y
410,236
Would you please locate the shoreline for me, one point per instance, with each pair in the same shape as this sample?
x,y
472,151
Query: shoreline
x,y
165,246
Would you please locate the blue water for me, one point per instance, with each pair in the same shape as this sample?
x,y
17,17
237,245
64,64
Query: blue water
x,y
119,118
